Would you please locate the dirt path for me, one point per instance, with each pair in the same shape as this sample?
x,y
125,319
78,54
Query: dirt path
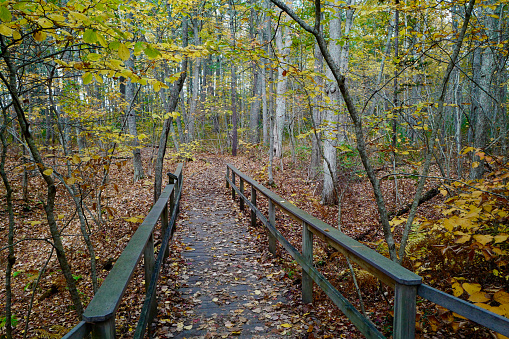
x,y
225,289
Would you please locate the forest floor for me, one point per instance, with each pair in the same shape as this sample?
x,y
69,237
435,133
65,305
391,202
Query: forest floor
x,y
277,278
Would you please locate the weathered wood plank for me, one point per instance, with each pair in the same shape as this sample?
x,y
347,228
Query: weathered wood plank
x,y
79,331
307,253
241,201
404,311
272,220
253,201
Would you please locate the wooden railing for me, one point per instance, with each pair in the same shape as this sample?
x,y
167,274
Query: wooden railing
x,y
99,316
407,285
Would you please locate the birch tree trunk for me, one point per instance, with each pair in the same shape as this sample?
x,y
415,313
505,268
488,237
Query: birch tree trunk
x,y
330,114
233,83
487,86
283,49
131,124
195,86
172,105
314,166
257,90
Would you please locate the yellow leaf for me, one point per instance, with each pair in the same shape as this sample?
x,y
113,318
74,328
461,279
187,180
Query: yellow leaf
x,y
133,219
102,40
466,150
45,23
79,17
501,238
76,159
457,290
478,297
501,297
6,31
471,288
483,238
449,224
286,325
463,237
48,171
36,222
56,17
60,216
157,86
475,164
189,248
87,78
123,52
70,181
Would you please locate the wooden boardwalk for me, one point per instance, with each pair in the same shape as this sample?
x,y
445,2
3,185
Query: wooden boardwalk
x,y
228,291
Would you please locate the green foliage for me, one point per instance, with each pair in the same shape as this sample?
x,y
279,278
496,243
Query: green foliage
x,y
14,321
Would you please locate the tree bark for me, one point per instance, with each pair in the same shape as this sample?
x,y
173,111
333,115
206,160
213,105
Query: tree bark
x,y
131,124
11,259
175,90
314,165
257,90
330,114
283,50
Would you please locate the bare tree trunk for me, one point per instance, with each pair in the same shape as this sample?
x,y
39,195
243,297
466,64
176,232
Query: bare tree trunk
x,y
195,86
332,92
263,81
257,90
487,86
283,50
233,84
131,124
314,165
175,90
11,259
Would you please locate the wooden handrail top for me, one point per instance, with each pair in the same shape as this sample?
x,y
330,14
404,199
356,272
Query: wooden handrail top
x,y
107,299
363,255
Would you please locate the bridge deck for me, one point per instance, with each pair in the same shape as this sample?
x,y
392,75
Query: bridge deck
x,y
227,290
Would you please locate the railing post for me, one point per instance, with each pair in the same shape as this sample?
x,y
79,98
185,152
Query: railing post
x,y
404,311
104,329
253,201
241,187
272,220
307,252
179,189
233,184
227,176
149,261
